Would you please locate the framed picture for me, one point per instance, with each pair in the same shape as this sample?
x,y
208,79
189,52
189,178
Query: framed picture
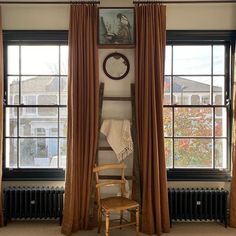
x,y
116,26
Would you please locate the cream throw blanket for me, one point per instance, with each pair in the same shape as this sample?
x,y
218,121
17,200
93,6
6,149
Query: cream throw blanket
x,y
119,137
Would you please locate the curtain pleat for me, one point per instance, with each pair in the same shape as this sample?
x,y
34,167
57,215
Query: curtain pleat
x,y
1,114
150,53
82,116
233,180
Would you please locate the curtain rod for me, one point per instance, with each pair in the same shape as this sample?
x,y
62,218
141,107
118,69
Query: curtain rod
x,y
49,2
98,2
186,2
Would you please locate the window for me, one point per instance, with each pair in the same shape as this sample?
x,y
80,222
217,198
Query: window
x,y
195,99
196,109
35,105
31,100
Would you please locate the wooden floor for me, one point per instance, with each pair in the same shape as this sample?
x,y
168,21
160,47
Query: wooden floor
x,y
52,229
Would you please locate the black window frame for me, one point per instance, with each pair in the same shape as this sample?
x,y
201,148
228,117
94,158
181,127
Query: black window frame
x,y
31,37
185,37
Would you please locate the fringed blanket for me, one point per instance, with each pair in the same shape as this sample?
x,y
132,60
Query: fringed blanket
x,y
119,137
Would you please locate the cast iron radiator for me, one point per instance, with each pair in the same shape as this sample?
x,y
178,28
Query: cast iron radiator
x,y
33,203
198,204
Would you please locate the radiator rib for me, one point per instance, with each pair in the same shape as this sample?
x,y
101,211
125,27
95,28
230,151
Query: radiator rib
x,y
198,204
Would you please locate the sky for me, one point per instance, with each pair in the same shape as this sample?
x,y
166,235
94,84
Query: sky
x,y
196,60
37,60
44,60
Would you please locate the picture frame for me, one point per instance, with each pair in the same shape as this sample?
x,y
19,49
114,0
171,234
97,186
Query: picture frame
x,y
116,27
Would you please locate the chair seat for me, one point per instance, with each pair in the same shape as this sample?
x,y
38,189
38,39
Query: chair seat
x,y
118,203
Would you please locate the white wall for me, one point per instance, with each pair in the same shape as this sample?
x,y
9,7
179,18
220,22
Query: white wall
x,y
56,17
181,16
201,17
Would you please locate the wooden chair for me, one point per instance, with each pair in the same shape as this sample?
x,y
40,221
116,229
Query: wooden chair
x,y
115,203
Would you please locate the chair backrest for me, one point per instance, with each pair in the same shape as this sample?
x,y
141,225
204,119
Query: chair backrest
x,y
106,183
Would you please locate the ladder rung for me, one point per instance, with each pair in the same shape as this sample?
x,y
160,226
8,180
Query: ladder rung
x,y
105,149
116,177
117,98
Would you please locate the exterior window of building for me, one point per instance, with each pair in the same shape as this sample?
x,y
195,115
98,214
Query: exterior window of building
x,y
31,100
184,99
167,98
206,100
40,132
197,129
36,79
47,99
195,99
218,99
174,99
41,150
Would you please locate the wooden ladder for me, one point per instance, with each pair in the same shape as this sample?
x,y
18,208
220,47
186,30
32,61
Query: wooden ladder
x,y
136,193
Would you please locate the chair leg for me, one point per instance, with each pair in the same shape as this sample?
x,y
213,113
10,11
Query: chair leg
x,y
121,218
99,219
107,223
137,221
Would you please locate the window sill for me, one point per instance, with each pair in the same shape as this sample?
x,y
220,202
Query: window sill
x,y
172,175
33,174
199,175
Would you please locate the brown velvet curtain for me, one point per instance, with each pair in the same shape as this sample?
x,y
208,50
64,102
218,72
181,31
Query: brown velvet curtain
x,y
233,189
1,115
150,53
233,180
82,116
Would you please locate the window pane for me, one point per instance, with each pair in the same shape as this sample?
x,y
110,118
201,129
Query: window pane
x,y
220,122
168,153
64,90
167,119
193,122
221,153
13,90
63,150
192,60
13,60
11,152
193,153
38,153
219,90
168,60
47,112
64,60
11,122
192,90
37,126
219,59
63,122
40,60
